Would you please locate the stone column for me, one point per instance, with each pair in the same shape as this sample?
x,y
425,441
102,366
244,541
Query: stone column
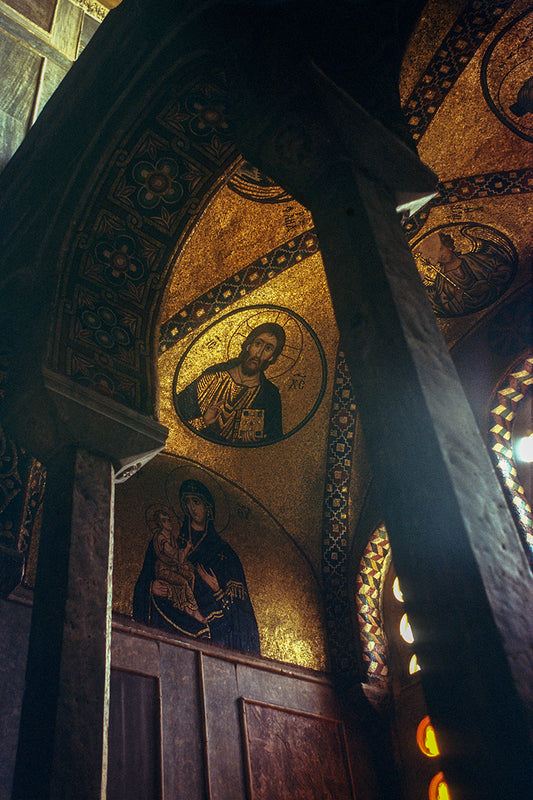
x,y
465,578
62,752
62,749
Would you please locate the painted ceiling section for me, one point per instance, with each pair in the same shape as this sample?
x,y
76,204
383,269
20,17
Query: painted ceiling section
x,y
194,242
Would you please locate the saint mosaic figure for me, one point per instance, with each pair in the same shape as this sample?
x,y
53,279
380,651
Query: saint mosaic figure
x,y
234,402
192,581
461,283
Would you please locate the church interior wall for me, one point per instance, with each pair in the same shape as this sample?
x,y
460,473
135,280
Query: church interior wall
x,y
218,250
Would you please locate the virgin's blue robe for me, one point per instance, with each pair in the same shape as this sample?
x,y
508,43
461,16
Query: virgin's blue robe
x,y
230,616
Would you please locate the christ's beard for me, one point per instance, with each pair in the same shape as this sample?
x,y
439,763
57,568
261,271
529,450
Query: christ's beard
x,y
252,366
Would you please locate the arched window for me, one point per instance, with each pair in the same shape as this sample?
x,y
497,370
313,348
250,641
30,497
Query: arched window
x,y
389,653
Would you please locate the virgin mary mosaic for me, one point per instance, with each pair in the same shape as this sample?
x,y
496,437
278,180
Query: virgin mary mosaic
x,y
192,581
251,378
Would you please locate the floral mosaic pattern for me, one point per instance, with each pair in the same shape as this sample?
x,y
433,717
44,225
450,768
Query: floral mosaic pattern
x,y
158,182
119,260
149,194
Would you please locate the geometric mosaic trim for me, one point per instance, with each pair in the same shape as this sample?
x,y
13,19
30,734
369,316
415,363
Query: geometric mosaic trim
x,y
268,266
33,501
369,584
473,187
489,184
335,538
251,277
517,382
457,48
93,8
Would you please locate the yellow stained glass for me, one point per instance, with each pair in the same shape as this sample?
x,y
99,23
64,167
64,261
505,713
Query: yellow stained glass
x,y
426,739
438,788
414,666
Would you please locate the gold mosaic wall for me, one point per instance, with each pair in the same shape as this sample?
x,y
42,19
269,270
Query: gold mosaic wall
x,y
283,589
286,477
282,483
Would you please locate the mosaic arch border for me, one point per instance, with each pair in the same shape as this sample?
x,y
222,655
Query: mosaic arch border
x,y
370,579
516,383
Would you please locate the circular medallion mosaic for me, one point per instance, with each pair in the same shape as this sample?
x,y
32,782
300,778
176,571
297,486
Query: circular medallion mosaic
x,y
253,377
465,267
507,76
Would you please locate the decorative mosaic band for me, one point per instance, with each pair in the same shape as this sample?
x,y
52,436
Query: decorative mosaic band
x,y
165,167
335,551
473,187
237,286
516,384
33,504
369,583
456,50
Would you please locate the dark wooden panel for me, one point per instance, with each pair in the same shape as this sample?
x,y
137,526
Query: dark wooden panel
x,y
182,726
19,77
88,28
295,692
292,755
198,677
11,134
131,652
226,773
30,37
67,28
41,12
134,739
52,76
19,80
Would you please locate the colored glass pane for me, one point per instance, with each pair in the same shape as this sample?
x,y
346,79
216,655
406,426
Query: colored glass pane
x,y
414,666
397,592
438,788
426,739
405,630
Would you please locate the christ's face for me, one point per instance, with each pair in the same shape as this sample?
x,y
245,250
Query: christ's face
x,y
259,353
165,522
197,511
